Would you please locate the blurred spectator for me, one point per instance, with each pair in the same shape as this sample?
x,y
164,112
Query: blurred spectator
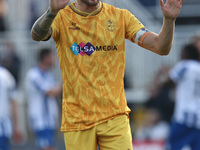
x,y
3,11
152,133
8,110
185,130
11,61
42,106
152,128
148,2
161,94
36,9
196,40
34,14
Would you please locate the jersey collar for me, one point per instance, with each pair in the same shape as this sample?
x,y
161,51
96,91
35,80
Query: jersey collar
x,y
85,14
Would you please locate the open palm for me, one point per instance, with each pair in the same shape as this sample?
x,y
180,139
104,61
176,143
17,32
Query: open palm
x,y
56,5
171,8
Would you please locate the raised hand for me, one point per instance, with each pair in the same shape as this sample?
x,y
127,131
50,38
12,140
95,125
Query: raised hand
x,y
56,5
41,29
171,8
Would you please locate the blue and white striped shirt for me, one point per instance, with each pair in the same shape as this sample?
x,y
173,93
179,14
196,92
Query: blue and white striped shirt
x,y
42,109
7,94
186,75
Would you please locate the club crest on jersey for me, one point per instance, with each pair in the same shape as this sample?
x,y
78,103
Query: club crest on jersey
x,y
110,25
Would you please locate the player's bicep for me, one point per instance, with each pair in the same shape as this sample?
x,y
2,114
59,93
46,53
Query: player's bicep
x,y
140,36
149,41
146,39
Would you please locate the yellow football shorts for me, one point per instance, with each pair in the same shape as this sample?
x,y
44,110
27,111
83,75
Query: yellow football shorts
x,y
114,134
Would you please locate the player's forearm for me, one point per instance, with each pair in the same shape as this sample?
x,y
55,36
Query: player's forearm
x,y
41,29
165,37
55,92
14,113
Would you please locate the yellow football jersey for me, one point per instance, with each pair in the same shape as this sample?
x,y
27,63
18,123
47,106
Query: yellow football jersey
x,y
91,51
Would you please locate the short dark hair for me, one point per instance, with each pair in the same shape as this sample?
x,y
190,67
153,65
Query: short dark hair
x,y
190,51
43,52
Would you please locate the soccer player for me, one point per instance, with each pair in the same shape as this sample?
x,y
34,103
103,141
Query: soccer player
x,y
90,40
185,75
8,110
196,40
42,106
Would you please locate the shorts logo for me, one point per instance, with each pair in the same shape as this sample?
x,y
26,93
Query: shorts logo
x,y
110,25
82,49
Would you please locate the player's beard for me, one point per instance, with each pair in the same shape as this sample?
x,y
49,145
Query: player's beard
x,y
91,3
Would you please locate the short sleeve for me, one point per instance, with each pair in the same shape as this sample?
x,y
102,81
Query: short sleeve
x,y
132,25
55,26
178,72
44,88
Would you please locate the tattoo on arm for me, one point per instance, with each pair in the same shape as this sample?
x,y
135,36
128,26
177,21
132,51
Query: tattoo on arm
x,y
42,28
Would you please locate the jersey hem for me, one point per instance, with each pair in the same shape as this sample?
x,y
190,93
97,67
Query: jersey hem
x,y
95,124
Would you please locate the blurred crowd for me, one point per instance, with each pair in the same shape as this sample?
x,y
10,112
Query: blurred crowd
x,y
3,12
169,119
42,92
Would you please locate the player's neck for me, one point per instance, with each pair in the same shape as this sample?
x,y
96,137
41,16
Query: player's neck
x,y
85,8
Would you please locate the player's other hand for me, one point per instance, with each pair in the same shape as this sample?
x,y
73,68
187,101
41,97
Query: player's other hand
x,y
56,5
17,136
171,8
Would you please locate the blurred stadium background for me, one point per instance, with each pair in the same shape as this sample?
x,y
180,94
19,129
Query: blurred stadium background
x,y
141,66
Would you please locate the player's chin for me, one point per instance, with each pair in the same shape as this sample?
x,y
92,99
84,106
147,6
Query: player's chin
x,y
93,2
